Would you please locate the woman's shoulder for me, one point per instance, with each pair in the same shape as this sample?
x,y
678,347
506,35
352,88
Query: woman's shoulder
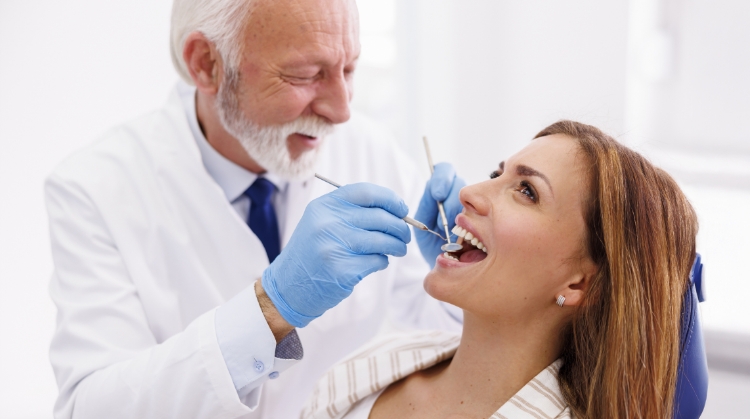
x,y
540,397
375,366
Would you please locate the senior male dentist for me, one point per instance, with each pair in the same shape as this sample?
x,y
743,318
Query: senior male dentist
x,y
195,256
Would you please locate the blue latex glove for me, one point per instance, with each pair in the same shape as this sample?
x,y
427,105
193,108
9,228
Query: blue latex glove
x,y
342,237
443,186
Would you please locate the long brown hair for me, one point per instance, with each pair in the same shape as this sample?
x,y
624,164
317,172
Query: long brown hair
x,y
621,352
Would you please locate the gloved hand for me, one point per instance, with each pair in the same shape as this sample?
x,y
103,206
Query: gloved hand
x,y
443,186
342,237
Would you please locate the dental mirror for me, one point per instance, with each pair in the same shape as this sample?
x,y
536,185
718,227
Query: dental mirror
x,y
451,247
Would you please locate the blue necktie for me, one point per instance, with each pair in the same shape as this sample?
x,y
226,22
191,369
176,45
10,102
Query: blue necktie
x,y
262,217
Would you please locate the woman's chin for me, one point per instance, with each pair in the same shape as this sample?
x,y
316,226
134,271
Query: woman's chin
x,y
448,280
438,289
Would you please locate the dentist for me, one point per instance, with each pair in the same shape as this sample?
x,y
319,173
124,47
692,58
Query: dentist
x,y
195,256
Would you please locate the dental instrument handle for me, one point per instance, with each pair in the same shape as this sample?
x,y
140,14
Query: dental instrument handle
x,y
415,223
443,218
328,181
407,220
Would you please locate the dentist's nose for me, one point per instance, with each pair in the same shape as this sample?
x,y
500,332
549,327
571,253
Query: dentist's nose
x,y
333,100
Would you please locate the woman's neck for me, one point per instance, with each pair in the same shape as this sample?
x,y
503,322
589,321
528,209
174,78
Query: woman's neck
x,y
494,361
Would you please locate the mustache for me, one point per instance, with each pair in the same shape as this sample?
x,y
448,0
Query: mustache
x,y
309,125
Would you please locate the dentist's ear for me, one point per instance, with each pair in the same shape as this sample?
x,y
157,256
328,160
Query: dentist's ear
x,y
204,63
574,291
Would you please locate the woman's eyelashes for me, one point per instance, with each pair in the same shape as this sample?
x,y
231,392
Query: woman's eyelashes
x,y
524,187
498,172
528,191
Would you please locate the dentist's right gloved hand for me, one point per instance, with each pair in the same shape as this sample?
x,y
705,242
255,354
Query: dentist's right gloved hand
x,y
342,237
444,187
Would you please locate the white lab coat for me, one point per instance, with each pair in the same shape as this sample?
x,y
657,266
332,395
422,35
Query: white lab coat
x,y
146,246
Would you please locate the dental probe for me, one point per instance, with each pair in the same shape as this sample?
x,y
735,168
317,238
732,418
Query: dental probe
x,y
448,247
407,220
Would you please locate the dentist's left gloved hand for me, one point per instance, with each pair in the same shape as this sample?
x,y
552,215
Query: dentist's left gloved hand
x,y
443,186
342,237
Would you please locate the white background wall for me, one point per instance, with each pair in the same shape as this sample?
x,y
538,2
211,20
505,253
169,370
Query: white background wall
x,y
69,71
479,77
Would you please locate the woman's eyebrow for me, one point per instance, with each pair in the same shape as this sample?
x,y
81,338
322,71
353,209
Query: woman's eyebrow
x,y
522,170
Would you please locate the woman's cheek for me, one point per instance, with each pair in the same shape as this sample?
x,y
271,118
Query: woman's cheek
x,y
514,234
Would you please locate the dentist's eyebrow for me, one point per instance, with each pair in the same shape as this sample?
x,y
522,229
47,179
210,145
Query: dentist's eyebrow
x,y
522,170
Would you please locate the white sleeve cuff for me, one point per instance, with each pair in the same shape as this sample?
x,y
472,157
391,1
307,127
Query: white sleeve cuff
x,y
249,347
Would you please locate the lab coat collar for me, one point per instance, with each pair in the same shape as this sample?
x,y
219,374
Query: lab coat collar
x,y
233,179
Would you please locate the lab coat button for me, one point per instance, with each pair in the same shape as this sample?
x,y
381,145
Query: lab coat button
x,y
259,366
274,375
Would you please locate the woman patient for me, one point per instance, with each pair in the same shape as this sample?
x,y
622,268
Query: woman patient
x,y
571,310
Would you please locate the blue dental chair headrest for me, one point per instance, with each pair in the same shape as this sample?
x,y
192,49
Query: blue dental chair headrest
x,y
692,379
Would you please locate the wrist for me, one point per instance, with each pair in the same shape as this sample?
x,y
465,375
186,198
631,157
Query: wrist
x,y
280,305
279,327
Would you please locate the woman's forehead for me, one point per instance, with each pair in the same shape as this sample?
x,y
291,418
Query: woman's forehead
x,y
559,159
556,154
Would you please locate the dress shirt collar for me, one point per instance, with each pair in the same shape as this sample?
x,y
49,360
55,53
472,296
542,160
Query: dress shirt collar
x,y
233,179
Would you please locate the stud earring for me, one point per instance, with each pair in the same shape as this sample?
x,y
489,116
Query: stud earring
x,y
560,300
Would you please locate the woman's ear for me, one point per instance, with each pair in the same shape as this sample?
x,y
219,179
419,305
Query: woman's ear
x,y
203,63
577,287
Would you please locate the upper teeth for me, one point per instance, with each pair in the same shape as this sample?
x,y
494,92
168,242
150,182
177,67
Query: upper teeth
x,y
461,232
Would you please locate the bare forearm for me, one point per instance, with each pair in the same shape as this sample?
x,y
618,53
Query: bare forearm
x,y
279,327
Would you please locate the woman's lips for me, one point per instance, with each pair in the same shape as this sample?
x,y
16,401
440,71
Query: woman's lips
x,y
464,261
463,222
473,250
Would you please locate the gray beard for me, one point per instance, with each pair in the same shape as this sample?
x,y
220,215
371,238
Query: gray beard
x,y
268,145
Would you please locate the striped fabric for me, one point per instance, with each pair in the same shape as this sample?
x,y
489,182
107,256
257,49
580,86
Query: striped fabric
x,y
393,357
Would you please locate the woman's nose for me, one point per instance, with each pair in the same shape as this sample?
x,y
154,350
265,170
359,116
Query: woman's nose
x,y
474,198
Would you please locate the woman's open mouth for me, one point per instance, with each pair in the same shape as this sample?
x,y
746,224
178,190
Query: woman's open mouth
x,y
473,249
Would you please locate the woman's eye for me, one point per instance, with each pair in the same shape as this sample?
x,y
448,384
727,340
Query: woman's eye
x,y
526,189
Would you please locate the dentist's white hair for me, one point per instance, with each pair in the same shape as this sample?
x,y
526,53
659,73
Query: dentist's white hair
x,y
221,21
